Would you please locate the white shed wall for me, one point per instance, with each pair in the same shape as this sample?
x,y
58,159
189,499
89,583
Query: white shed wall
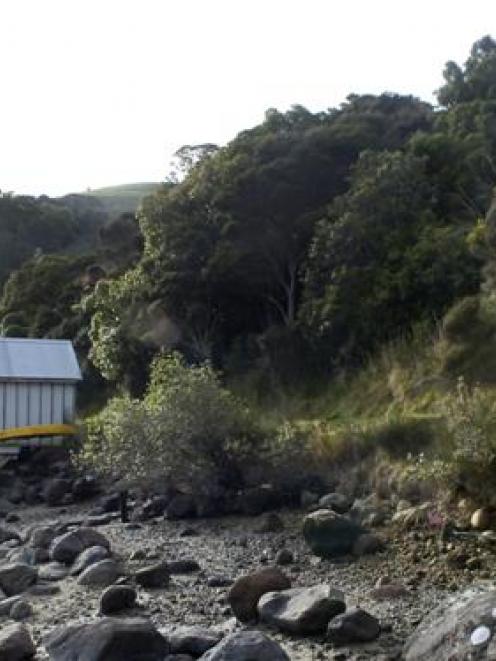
x,y
32,403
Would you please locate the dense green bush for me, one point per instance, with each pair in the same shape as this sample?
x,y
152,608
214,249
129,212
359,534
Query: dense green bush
x,y
188,429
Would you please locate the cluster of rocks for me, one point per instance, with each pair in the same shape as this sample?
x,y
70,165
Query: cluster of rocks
x,y
134,639
275,605
44,476
267,596
51,553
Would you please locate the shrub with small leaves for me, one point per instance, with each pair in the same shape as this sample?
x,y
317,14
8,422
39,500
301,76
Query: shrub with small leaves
x,y
187,429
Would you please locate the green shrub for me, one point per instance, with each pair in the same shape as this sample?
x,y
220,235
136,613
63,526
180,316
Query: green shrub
x,y
470,448
187,429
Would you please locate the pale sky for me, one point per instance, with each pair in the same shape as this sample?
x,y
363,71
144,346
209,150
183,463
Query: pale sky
x,y
102,92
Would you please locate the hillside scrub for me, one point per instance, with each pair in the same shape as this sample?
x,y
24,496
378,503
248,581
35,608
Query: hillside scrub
x,y
188,431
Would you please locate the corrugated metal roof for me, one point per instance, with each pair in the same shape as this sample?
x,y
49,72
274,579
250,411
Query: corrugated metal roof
x,y
38,360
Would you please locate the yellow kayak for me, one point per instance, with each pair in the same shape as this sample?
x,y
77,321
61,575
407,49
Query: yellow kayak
x,y
37,430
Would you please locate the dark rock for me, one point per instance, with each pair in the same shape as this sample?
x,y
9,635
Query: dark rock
x,y
246,646
96,520
42,536
308,498
6,605
21,610
335,501
188,532
462,627
181,506
16,643
272,522
193,640
85,487
219,581
110,503
108,639
186,566
100,574
55,490
117,598
284,557
301,611
354,626
12,517
6,535
155,506
137,554
16,578
257,500
244,595
329,534
155,576
68,546
87,558
367,544
33,495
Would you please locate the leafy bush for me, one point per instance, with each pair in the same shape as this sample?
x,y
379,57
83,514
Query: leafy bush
x,y
470,452
187,429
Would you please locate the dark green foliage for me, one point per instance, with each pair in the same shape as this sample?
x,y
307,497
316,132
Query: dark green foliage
x,y
28,226
294,251
41,300
476,81
402,437
383,258
225,249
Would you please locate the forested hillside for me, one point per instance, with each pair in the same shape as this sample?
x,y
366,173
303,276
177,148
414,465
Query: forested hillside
x,y
293,253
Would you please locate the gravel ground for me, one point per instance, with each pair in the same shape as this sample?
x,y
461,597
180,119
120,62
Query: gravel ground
x,y
230,547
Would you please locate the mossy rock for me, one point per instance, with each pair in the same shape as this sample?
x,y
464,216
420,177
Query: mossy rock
x,y
329,534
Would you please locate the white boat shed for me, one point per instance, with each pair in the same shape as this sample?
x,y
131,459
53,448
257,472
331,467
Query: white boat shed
x,y
38,381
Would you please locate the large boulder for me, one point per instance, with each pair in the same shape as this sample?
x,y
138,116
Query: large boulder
x,y
329,534
193,640
462,627
87,558
246,591
16,643
67,547
108,639
16,578
301,611
246,646
100,574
